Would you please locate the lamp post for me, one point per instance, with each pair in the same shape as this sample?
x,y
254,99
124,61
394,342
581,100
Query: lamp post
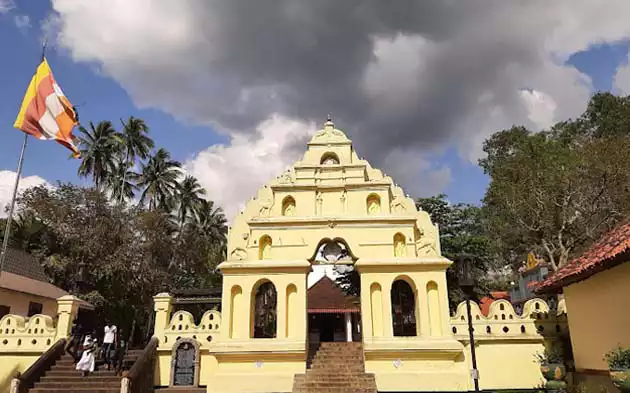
x,y
467,283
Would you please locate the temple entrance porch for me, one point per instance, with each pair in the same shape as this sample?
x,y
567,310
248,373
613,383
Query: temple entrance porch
x,y
333,316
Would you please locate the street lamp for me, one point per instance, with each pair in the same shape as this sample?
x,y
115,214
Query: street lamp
x,y
467,283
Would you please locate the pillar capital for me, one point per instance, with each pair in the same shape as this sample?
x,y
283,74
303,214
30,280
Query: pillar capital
x,y
162,305
162,302
67,309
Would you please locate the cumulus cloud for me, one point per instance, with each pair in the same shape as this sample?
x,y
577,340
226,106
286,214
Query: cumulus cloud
x,y
622,77
418,76
7,183
232,174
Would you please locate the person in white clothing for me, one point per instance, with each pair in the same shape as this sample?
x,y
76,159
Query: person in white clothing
x,y
87,361
109,343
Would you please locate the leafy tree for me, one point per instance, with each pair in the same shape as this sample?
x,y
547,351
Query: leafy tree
x,y
462,232
115,257
99,146
158,179
556,191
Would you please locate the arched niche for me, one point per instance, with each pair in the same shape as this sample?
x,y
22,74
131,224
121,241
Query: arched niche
x,y
435,314
288,206
264,247
329,158
331,251
376,309
400,245
403,308
236,302
264,310
373,204
185,363
292,306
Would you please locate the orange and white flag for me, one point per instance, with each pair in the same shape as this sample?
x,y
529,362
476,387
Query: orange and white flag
x,y
46,113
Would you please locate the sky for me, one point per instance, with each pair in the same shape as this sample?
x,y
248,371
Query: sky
x,y
233,89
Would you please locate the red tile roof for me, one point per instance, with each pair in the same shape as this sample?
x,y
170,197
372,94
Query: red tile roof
x,y
327,297
611,250
486,301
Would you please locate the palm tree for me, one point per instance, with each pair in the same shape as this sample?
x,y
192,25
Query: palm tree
x,y
211,221
158,178
135,143
121,181
99,145
188,198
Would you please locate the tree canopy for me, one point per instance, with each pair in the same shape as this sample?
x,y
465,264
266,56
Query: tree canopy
x,y
556,191
113,251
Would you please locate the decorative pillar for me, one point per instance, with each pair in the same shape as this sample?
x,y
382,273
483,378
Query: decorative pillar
x,y
348,327
67,309
162,305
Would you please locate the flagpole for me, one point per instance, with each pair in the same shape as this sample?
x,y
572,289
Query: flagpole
x,y
7,228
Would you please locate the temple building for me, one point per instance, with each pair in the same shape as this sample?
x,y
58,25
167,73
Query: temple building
x,y
333,281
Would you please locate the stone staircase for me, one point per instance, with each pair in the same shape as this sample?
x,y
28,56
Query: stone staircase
x,y
63,378
335,367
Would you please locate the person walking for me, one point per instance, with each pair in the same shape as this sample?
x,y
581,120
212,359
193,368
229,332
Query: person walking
x,y
88,361
109,343
75,340
121,351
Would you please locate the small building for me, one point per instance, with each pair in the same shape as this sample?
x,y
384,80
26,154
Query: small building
x,y
533,272
596,290
25,289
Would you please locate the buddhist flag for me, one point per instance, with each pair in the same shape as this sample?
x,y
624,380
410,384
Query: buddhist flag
x,y
46,113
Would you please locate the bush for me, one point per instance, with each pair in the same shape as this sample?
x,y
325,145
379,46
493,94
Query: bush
x,y
618,358
550,356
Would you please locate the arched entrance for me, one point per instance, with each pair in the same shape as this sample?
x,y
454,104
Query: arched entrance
x,y
333,304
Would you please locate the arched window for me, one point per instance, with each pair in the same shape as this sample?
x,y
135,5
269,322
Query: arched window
x,y
329,159
400,246
403,309
264,247
373,204
265,311
288,206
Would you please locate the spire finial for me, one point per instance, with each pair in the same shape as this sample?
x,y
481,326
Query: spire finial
x,y
329,122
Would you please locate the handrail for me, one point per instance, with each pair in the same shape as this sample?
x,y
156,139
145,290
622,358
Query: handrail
x,y
139,379
41,365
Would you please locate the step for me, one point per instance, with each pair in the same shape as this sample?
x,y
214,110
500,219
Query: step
x,y
69,373
73,389
85,383
71,379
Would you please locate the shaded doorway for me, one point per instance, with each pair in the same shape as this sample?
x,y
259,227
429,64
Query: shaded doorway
x,y
333,316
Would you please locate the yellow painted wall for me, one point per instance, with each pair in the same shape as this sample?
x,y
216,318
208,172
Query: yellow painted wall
x,y
597,319
11,363
18,301
23,340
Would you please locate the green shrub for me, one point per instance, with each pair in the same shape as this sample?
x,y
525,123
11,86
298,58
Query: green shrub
x,y
550,356
618,358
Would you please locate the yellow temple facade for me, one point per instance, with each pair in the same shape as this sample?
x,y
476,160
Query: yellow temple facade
x,y
333,210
